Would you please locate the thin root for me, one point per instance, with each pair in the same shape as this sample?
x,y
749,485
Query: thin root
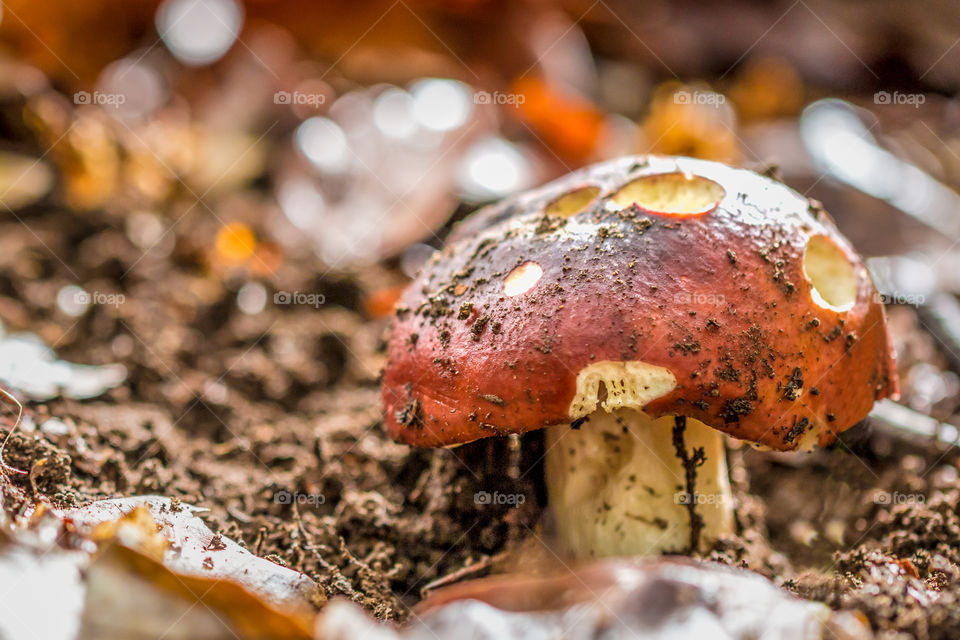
x,y
690,464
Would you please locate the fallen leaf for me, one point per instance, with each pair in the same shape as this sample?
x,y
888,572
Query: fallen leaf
x,y
189,544
27,365
625,598
143,567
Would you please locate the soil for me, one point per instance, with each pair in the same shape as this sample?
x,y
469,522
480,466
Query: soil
x,y
272,422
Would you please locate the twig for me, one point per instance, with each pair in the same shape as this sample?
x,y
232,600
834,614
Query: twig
x,y
3,465
462,573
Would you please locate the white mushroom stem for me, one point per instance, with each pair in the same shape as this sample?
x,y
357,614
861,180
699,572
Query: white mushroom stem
x,y
617,486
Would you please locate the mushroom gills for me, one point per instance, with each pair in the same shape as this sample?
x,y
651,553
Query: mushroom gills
x,y
616,485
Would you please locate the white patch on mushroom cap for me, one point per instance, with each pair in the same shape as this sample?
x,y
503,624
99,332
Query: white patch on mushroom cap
x,y
832,276
523,278
629,384
671,193
572,202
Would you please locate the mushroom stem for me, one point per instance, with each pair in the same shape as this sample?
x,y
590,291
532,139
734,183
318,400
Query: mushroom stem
x,y
621,484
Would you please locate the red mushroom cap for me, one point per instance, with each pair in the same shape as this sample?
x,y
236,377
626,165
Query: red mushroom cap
x,y
745,291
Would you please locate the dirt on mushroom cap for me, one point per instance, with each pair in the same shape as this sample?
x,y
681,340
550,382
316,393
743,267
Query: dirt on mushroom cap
x,y
628,284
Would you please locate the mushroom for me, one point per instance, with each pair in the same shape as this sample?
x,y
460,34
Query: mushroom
x,y
638,309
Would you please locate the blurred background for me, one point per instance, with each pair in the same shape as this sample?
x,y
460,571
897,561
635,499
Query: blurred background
x,y
357,132
221,200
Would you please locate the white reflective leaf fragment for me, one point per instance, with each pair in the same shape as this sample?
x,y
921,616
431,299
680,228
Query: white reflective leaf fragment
x,y
27,365
190,546
34,580
142,567
648,598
